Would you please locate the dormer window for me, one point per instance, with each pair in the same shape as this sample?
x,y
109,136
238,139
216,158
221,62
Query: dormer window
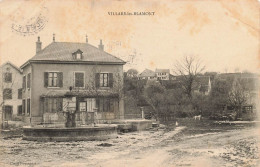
x,y
77,55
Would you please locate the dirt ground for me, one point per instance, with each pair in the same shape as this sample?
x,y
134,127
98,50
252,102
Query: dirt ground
x,y
160,147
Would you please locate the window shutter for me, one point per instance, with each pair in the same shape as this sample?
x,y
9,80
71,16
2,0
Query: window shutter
x,y
97,80
60,79
46,79
24,82
97,104
110,79
29,80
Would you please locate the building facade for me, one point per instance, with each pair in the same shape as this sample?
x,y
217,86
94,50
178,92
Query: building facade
x,y
72,77
148,75
11,92
159,74
162,74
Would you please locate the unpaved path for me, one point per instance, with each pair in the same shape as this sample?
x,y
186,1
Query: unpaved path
x,y
153,148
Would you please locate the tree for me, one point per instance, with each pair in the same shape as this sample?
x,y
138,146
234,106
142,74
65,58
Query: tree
x,y
188,69
132,72
238,95
218,97
154,96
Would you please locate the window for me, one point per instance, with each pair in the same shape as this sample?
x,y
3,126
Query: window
x,y
105,105
24,82
52,104
20,93
8,77
23,106
78,56
28,106
79,79
20,110
82,106
8,112
29,80
7,94
104,79
53,79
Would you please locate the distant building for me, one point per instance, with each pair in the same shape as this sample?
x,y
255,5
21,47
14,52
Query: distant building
x,y
203,85
158,74
148,75
11,92
162,74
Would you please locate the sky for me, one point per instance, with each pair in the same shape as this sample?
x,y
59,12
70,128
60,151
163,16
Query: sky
x,y
223,34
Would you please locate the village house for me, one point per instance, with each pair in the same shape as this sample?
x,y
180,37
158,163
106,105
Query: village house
x,y
72,77
148,75
162,74
203,85
11,92
158,74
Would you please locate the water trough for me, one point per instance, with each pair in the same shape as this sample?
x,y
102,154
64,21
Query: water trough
x,y
100,132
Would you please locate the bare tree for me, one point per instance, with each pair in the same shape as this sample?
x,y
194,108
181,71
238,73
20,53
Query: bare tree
x,y
188,69
238,95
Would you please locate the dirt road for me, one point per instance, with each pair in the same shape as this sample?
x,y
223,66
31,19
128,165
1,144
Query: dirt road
x,y
154,148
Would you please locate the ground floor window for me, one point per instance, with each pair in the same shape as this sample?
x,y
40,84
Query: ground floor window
x,y
8,112
23,106
106,104
28,106
52,104
19,110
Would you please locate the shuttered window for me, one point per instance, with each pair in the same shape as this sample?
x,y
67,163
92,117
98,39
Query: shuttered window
x,y
7,94
104,80
53,79
79,79
8,77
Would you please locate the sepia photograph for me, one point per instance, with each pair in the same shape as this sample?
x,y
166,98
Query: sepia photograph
x,y
129,83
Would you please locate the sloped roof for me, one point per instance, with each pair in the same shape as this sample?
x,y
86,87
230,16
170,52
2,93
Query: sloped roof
x,y
11,64
62,52
147,73
162,70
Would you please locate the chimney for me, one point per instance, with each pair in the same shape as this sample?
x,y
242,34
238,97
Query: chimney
x,y
53,38
101,46
86,39
38,45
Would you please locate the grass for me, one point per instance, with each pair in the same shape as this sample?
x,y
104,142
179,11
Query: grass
x,y
207,126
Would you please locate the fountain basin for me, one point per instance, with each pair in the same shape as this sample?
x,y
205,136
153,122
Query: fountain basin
x,y
100,132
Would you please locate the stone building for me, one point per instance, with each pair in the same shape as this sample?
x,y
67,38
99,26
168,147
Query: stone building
x,y
11,92
72,77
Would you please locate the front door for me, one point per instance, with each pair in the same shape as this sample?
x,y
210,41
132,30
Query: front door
x,y
91,105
